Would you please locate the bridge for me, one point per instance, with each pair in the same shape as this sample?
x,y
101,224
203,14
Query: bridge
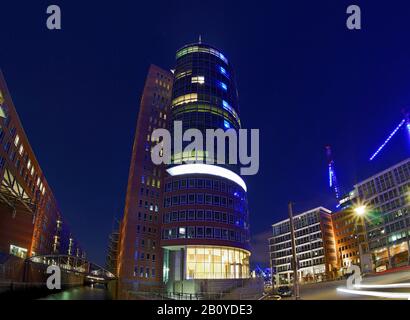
x,y
29,276
92,272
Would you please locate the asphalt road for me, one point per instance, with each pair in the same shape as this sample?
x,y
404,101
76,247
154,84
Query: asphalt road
x,y
328,290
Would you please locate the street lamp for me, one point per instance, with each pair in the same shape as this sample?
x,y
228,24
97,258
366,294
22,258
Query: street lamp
x,y
361,212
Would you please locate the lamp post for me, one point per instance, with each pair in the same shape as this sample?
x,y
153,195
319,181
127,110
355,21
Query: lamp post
x,y
361,212
294,255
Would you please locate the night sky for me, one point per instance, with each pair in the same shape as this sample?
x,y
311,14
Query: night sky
x,y
304,80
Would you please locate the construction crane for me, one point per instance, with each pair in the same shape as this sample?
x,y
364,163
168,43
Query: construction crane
x,y
403,123
333,184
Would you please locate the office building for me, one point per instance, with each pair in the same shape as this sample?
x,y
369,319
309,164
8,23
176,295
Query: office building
x,y
386,196
315,248
205,226
348,231
186,225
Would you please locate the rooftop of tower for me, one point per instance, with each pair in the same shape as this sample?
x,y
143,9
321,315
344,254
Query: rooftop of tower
x,y
195,47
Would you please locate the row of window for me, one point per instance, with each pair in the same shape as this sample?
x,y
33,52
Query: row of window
x,y
300,257
201,49
352,245
303,264
346,239
300,221
144,256
402,173
147,217
219,70
300,249
203,111
152,193
149,181
148,205
286,243
19,156
204,199
198,198
385,181
201,215
202,183
203,232
144,272
350,254
145,229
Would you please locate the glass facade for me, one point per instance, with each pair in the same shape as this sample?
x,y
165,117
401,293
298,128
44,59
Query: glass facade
x,y
386,196
209,262
205,217
204,91
315,247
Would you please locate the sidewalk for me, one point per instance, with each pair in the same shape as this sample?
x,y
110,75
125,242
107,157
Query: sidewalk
x,y
392,270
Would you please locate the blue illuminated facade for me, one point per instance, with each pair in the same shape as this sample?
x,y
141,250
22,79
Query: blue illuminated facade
x,y
205,218
204,92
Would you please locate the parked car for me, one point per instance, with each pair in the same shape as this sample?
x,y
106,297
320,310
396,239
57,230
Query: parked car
x,y
285,291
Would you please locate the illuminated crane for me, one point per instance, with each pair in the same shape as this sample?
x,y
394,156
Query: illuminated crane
x,y
332,172
405,122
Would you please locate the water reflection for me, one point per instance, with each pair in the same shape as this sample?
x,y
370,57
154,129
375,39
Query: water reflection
x,y
81,293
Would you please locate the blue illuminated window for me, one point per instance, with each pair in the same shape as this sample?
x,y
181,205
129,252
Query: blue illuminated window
x,y
222,85
224,72
226,105
227,125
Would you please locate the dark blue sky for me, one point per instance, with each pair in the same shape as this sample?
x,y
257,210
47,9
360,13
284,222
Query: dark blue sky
x,y
304,80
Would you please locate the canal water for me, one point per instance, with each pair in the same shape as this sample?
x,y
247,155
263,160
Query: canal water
x,y
81,293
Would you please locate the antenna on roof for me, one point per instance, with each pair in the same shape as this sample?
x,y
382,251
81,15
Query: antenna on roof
x,y
200,39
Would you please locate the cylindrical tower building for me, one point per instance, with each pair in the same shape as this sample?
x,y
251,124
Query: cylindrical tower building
x,y
205,219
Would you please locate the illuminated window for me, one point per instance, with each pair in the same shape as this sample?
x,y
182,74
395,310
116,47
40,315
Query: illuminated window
x,y
192,97
216,263
199,79
189,107
182,232
192,49
224,72
183,74
193,155
18,251
16,140
222,85
2,112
